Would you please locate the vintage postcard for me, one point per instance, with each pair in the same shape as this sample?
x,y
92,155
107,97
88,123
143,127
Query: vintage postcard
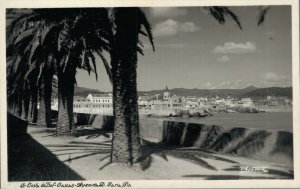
x,y
149,94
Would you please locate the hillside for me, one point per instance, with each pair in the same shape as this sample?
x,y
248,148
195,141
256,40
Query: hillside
x,y
251,91
83,92
204,92
273,91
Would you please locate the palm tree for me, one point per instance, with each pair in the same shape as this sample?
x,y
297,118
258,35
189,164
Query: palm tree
x,y
27,41
55,42
17,88
80,47
125,45
128,23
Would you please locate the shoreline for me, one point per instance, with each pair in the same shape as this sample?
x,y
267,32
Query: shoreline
x,y
287,108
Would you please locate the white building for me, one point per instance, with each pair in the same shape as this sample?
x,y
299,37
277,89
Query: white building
x,y
94,104
100,98
247,102
145,101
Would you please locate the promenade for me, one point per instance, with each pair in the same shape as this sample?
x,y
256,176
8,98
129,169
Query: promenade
x,y
40,155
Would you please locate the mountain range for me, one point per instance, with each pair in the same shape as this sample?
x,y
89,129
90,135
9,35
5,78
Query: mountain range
x,y
250,91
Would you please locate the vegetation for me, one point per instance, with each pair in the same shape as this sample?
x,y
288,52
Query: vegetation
x,y
47,42
55,44
252,92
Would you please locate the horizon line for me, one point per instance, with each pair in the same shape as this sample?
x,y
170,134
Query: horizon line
x,y
193,88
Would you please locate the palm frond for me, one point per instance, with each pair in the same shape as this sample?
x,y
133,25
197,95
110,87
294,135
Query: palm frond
x,y
66,61
220,14
262,14
17,26
93,60
106,65
86,66
40,73
143,33
25,34
16,63
140,50
34,45
30,69
45,31
144,21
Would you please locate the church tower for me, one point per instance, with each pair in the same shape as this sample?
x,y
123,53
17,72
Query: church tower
x,y
167,94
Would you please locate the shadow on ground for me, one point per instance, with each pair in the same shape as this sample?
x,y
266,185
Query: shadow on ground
x,y
199,158
195,156
90,132
28,160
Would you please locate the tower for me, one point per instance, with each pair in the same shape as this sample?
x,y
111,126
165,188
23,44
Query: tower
x,y
166,94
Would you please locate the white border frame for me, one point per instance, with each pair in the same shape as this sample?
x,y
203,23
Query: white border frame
x,y
155,3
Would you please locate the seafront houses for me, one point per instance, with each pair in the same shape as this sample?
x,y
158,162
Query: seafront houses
x,y
159,102
102,103
163,101
176,101
247,102
191,102
278,100
145,102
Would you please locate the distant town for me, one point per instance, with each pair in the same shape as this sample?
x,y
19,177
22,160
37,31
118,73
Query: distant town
x,y
167,102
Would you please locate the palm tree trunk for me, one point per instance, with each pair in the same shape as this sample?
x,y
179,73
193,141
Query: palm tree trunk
x,y
30,109
25,105
44,119
126,141
65,104
19,104
33,111
47,96
14,104
41,119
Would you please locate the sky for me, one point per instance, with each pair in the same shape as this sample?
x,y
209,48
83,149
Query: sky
x,y
192,50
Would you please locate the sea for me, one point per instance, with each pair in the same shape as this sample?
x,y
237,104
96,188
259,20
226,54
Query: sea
x,y
280,121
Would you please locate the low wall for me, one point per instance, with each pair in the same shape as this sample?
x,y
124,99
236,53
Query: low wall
x,y
273,146
98,121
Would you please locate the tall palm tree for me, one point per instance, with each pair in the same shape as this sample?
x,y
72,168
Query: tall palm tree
x,y
61,40
125,46
81,46
79,38
27,41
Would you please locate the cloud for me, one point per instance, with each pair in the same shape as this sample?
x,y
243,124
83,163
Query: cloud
x,y
225,83
234,84
224,58
273,79
171,27
249,84
167,12
189,27
235,48
208,84
270,76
